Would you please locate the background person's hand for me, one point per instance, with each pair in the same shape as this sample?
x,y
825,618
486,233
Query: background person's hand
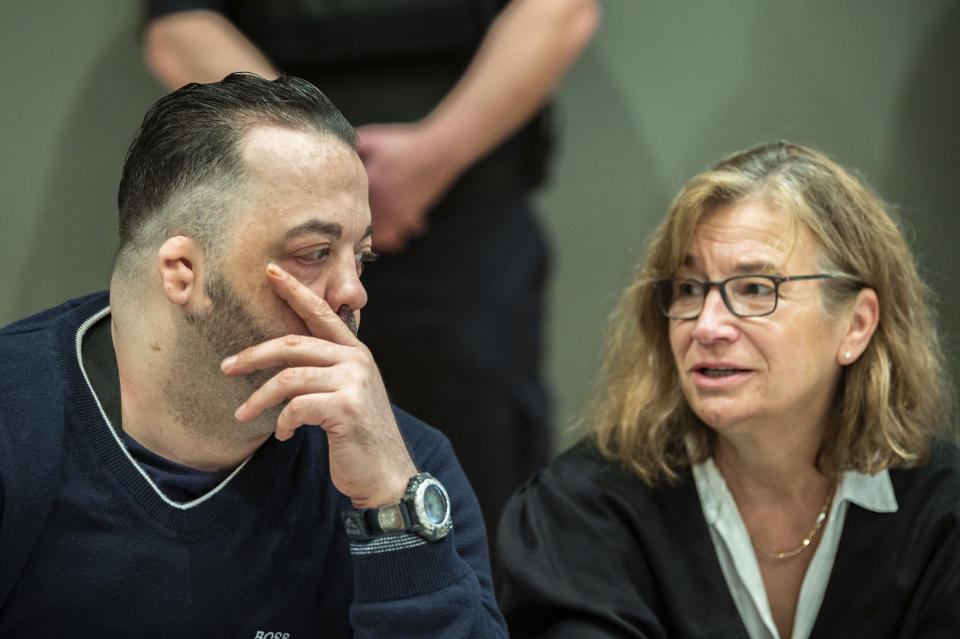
x,y
408,174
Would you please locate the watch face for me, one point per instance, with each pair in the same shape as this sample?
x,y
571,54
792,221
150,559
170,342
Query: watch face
x,y
434,504
428,506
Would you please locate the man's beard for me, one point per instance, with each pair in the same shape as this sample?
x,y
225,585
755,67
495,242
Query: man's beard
x,y
202,396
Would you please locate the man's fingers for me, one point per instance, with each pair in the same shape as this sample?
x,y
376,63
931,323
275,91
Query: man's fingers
x,y
288,384
321,320
290,350
301,410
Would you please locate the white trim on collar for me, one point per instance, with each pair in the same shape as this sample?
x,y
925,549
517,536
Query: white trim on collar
x,y
174,504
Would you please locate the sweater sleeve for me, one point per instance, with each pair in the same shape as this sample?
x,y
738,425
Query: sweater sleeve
x,y
407,587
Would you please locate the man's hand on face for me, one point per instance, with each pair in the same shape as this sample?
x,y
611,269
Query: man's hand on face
x,y
331,381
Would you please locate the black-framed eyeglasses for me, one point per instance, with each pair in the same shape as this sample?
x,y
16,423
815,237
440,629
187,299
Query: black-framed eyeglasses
x,y
744,295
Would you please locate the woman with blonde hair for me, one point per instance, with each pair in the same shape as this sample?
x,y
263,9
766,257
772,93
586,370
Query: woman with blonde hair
x,y
764,459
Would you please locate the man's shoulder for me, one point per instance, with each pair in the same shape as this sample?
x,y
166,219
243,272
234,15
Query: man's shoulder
x,y
47,318
35,375
421,438
34,349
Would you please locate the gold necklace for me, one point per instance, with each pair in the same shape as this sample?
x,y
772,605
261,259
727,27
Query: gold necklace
x,y
822,517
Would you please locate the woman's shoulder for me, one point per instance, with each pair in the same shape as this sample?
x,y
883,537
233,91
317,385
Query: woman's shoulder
x,y
583,475
945,455
584,466
587,547
942,464
935,483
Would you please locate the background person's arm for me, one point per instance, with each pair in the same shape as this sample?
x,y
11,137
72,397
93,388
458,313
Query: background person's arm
x,y
200,46
522,58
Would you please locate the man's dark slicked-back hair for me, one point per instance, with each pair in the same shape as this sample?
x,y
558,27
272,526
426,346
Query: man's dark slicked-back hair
x,y
188,145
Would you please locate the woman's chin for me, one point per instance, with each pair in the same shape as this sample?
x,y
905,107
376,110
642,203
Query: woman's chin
x,y
724,417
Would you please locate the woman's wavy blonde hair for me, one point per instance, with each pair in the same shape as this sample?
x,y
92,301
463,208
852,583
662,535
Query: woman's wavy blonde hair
x,y
891,401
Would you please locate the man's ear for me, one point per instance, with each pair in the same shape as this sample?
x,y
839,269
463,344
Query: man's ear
x,y
863,323
180,263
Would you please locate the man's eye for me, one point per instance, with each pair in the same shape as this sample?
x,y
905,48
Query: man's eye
x,y
364,257
315,256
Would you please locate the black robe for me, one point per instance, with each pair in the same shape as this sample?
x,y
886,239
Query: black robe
x,y
591,551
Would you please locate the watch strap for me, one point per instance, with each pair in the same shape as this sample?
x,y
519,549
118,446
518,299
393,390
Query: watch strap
x,y
415,513
368,523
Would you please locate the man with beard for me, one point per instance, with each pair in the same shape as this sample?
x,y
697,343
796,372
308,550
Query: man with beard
x,y
448,98
142,493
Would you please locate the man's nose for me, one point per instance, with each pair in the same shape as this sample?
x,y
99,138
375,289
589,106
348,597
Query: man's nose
x,y
344,287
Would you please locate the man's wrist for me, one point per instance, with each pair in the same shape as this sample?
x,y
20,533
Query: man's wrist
x,y
394,488
424,510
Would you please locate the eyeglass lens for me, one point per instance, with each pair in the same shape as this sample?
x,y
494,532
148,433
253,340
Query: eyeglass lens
x,y
745,296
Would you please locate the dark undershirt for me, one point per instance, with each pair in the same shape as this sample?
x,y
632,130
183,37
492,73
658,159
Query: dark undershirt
x,y
178,482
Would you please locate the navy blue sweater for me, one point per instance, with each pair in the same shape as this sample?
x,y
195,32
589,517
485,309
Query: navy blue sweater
x,y
90,548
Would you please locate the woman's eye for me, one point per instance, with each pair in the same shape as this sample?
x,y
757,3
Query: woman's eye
x,y
756,289
687,289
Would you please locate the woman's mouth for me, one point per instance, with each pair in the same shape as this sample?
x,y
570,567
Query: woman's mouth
x,y
720,371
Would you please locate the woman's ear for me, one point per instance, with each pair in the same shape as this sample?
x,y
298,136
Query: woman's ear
x,y
863,320
180,264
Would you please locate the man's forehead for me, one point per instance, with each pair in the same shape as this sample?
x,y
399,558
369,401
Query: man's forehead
x,y
284,165
321,227
300,185
269,141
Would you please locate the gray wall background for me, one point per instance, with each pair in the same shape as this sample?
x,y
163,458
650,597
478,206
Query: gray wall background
x,y
666,89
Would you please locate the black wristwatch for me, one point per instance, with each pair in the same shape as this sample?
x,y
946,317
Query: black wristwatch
x,y
424,510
